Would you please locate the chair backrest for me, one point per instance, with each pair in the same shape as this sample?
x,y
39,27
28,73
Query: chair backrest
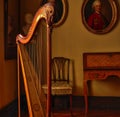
x,y
60,69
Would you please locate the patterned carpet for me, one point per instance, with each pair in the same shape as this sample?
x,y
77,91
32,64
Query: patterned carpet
x,y
80,113
66,113
91,113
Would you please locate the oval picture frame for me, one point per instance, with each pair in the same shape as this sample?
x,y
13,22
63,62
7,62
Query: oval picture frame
x,y
61,13
108,10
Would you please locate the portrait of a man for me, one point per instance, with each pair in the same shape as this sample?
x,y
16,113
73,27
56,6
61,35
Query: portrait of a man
x,y
97,20
99,16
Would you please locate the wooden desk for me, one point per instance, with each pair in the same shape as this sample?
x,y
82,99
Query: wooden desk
x,y
98,66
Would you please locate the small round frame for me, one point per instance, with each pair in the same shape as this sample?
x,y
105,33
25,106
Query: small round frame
x,y
61,12
109,11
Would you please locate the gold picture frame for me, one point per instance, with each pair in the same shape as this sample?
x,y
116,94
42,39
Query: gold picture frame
x,y
11,24
109,11
61,8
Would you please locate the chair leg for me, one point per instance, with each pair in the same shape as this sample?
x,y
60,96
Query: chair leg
x,y
71,104
53,102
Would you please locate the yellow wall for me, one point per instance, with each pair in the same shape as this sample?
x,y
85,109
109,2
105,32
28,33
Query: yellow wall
x,y
72,39
8,79
8,68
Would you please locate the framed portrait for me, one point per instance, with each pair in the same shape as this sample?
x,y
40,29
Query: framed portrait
x,y
61,12
99,16
11,24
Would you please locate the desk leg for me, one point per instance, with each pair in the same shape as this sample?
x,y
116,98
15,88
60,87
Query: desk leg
x,y
85,96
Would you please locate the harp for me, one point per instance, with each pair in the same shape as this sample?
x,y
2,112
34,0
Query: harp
x,y
33,59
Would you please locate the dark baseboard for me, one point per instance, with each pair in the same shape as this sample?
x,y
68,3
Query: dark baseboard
x,y
108,103
10,110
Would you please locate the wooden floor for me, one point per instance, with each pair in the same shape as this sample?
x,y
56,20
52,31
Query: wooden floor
x,y
80,113
91,113
105,107
76,112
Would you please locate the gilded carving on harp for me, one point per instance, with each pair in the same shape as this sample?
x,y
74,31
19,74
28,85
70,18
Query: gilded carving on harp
x,y
45,12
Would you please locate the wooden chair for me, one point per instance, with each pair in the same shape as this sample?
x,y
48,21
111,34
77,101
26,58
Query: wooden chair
x,y
61,80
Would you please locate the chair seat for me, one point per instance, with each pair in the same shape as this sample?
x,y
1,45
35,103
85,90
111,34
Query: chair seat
x,y
59,88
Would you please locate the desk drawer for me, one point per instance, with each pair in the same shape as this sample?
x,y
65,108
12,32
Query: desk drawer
x,y
101,60
100,74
